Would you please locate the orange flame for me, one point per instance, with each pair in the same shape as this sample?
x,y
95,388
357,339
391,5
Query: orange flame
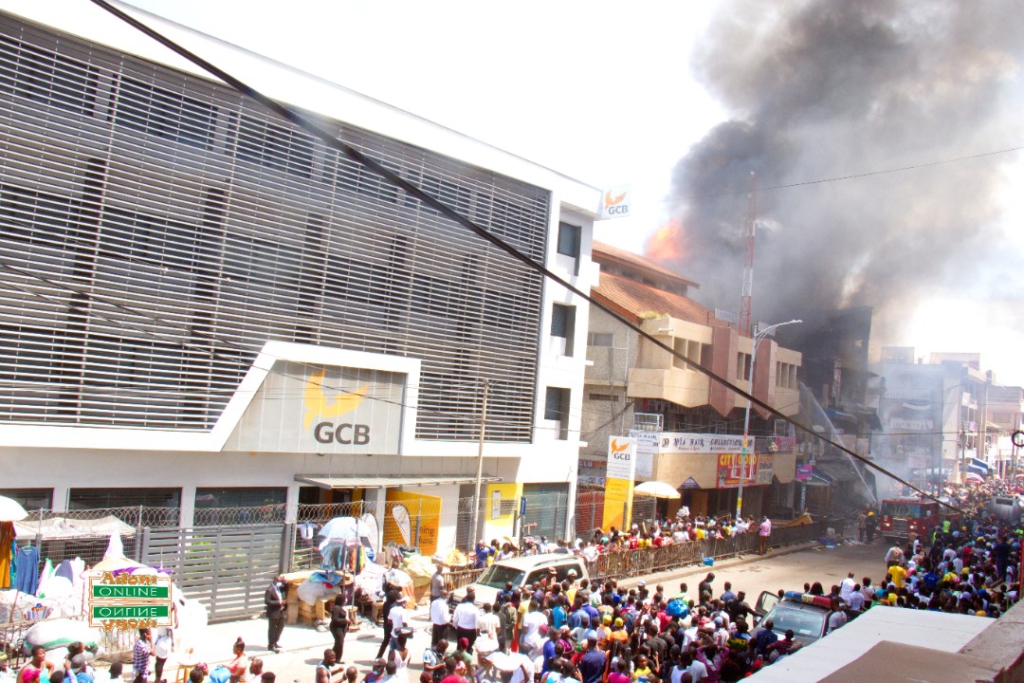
x,y
666,243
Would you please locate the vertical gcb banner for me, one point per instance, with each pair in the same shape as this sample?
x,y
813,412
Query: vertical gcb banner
x,y
618,493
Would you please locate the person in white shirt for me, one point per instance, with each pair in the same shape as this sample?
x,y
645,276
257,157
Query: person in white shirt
x,y
690,634
894,556
532,621
397,618
838,617
846,587
464,619
696,668
439,617
487,623
856,601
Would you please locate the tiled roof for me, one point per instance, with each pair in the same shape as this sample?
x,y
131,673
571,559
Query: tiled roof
x,y
607,252
637,298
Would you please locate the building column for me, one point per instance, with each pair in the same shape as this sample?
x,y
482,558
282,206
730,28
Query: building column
x,y
291,504
377,498
187,506
60,498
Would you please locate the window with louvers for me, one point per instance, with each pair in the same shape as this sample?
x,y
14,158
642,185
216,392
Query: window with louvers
x,y
46,76
147,255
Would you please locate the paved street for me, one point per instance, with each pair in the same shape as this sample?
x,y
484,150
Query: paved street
x,y
789,571
304,646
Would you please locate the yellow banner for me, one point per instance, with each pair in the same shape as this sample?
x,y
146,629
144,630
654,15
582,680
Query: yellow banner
x,y
618,497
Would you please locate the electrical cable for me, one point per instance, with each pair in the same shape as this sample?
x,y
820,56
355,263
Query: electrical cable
x,y
359,157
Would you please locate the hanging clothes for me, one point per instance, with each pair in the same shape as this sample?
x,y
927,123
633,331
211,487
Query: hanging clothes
x,y
7,536
27,570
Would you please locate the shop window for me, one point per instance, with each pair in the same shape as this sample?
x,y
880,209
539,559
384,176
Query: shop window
x,y
240,496
556,408
87,499
30,499
569,240
563,324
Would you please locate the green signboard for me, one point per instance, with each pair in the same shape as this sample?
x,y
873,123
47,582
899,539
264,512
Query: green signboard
x,y
102,591
131,611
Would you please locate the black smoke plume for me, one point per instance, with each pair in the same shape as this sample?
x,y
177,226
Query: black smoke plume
x,y
825,88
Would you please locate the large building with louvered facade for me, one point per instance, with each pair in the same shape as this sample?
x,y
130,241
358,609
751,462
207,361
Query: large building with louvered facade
x,y
200,302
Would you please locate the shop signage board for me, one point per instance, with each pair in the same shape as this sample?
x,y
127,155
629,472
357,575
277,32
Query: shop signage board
x,y
306,408
677,442
129,601
646,449
732,466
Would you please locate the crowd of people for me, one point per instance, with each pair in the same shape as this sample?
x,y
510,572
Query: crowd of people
x,y
576,632
682,529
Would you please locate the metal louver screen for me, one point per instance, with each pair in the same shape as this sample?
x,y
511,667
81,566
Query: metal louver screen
x,y
156,231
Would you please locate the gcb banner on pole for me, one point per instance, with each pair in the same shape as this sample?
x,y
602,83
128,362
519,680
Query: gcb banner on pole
x,y
618,494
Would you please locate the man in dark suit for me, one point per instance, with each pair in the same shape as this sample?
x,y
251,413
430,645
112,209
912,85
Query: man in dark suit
x,y
274,599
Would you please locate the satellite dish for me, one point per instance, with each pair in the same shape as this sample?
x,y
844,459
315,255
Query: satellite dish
x,y
818,429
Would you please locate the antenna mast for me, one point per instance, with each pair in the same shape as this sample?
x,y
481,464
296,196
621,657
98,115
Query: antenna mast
x,y
747,295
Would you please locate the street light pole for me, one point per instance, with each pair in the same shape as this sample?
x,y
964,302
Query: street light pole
x,y
758,336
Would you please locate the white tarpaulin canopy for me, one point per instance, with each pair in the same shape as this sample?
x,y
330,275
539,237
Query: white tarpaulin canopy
x,y
61,527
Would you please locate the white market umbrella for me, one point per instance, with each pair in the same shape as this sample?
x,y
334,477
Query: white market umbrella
x,y
658,489
11,510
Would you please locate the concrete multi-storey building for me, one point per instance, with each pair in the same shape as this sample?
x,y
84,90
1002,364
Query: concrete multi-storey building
x,y
1005,409
690,428
201,304
930,414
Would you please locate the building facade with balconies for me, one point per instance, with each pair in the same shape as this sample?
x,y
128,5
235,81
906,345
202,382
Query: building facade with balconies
x,y
690,428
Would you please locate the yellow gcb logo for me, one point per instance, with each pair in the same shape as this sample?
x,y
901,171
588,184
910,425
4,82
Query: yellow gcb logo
x,y
620,451
320,404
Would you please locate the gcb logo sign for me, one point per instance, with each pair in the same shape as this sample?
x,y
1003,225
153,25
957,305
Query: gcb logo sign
x,y
323,402
615,203
621,464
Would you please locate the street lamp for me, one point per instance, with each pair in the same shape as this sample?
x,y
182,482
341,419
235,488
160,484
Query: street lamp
x,y
758,336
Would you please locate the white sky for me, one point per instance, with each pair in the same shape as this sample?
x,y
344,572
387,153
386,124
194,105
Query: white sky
x,y
598,90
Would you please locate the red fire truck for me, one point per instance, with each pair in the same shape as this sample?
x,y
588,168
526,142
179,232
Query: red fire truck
x,y
902,516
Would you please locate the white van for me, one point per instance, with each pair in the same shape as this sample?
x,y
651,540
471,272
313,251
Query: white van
x,y
522,571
